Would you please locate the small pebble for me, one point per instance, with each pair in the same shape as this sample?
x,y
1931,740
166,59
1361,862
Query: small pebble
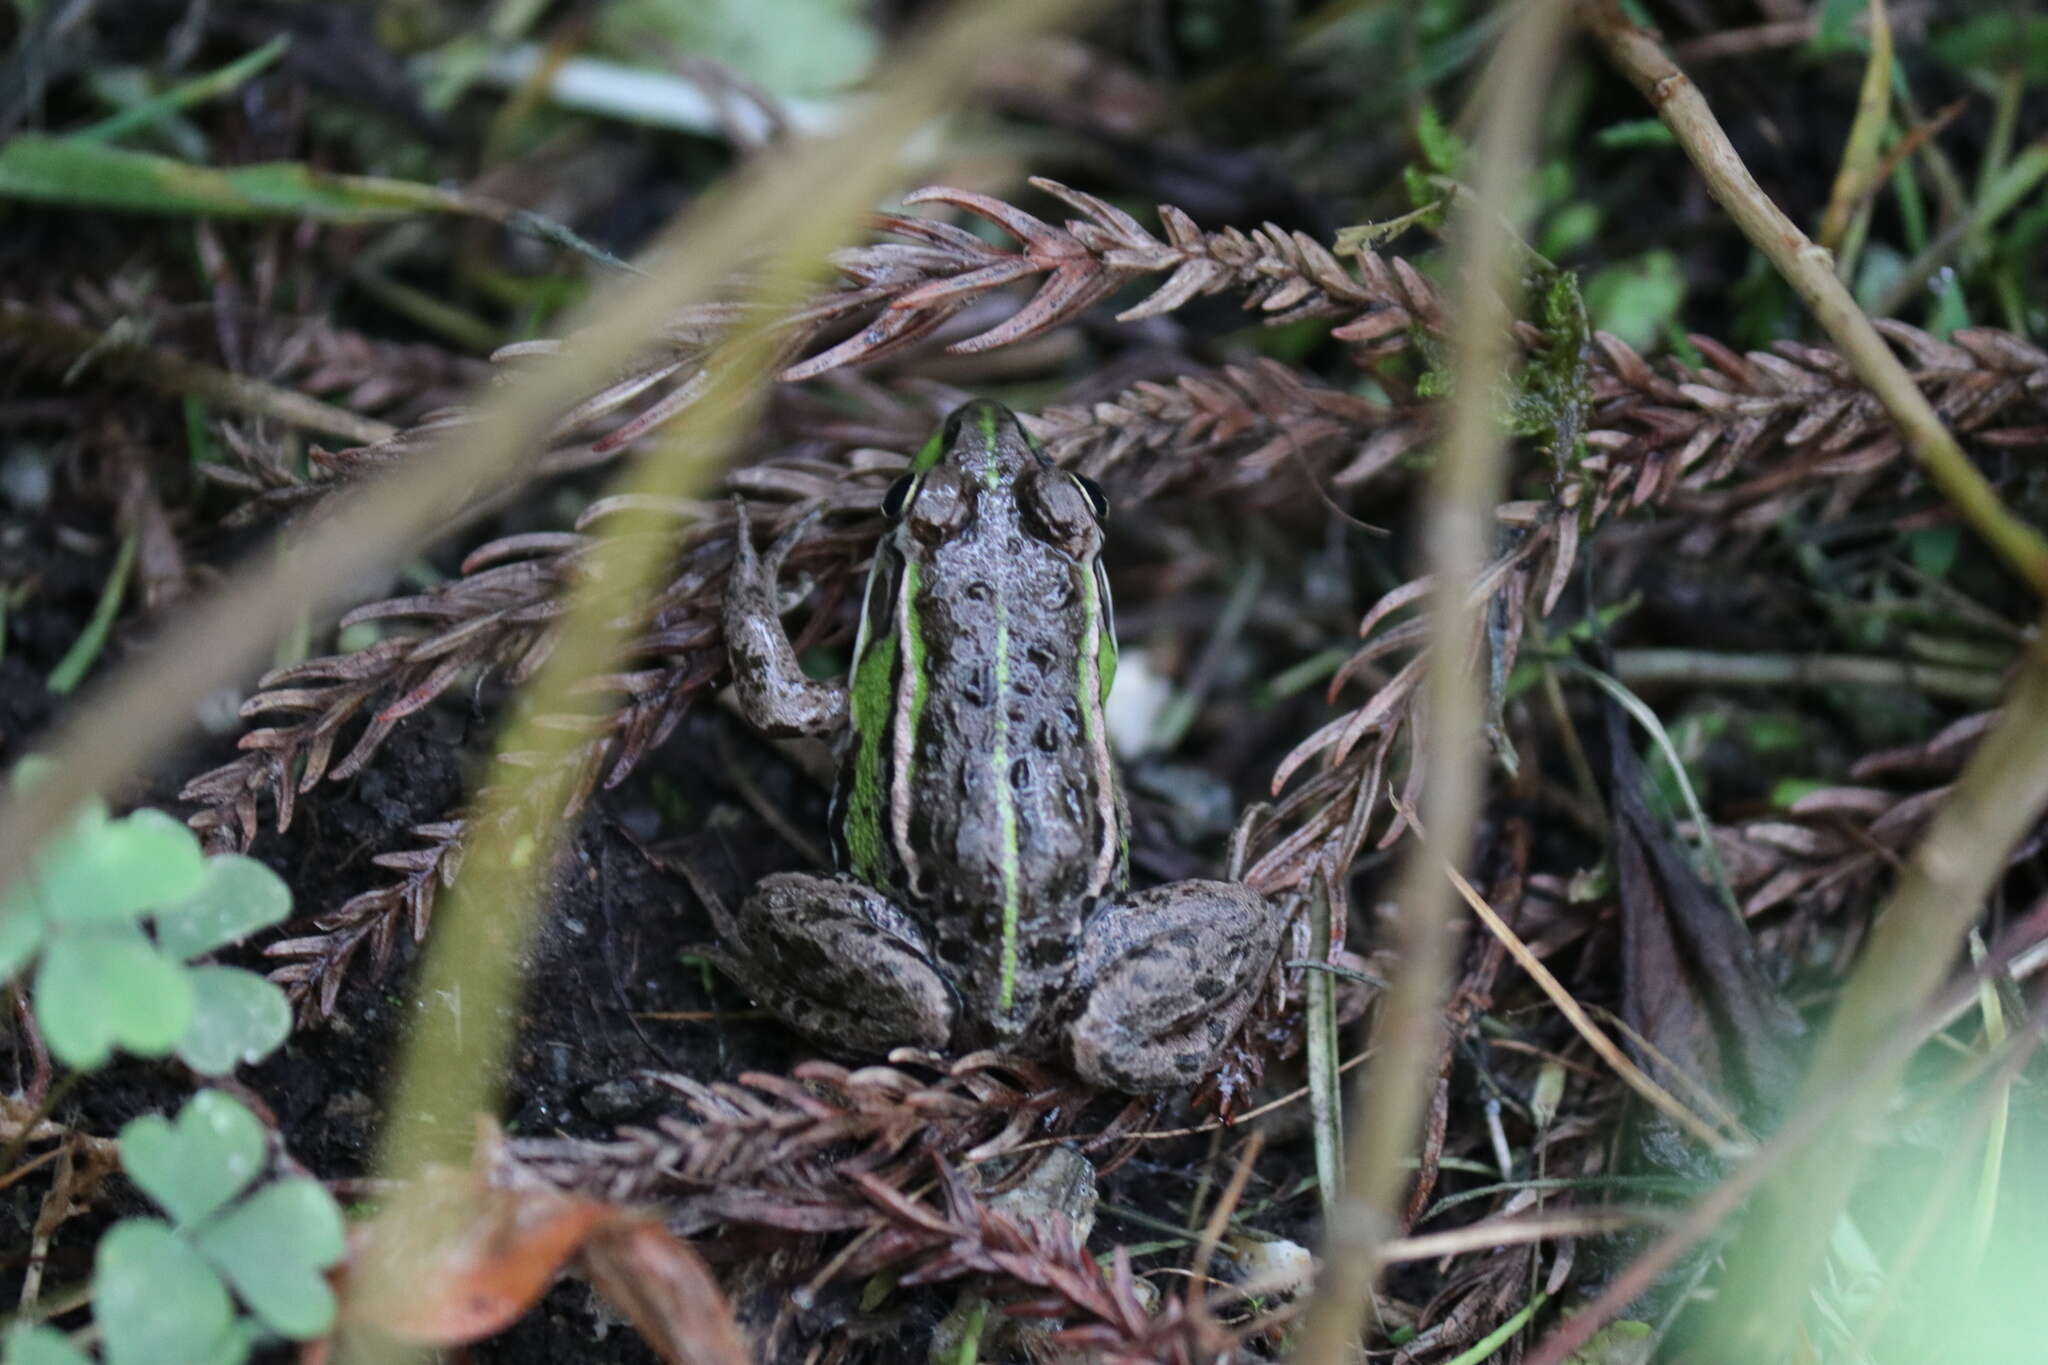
x,y
1273,1267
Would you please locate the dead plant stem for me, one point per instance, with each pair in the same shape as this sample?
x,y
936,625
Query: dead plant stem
x,y
135,716
1465,487
1705,668
66,346
1998,798
1605,1047
1808,268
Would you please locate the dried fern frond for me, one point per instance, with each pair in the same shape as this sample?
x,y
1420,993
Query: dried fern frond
x,y
1831,846
1229,429
1734,440
786,1151
906,290
1100,1309
832,1150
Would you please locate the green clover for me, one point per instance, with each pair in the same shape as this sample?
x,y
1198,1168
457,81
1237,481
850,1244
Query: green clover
x,y
161,1290
102,983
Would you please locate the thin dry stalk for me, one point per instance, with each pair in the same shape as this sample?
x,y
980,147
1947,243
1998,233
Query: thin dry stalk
x,y
1809,269
1465,490
455,1057
1493,1233
1997,800
137,715
1596,1038
64,346
1794,1140
1704,668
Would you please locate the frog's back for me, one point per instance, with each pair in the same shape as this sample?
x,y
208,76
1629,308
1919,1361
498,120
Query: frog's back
x,y
978,784
1014,798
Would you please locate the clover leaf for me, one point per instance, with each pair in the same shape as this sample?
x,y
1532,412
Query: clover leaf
x,y
195,1165
102,983
236,897
158,1304
237,1017
121,869
40,1345
271,1246
106,988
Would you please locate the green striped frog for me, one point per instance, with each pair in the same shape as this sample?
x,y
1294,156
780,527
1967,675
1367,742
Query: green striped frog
x,y
978,821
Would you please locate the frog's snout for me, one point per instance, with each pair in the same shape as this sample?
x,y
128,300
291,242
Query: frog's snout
x,y
983,420
986,441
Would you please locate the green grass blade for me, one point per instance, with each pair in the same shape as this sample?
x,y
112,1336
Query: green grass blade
x,y
85,174
72,668
195,91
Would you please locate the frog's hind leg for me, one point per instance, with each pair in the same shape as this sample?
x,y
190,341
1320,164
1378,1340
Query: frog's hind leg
x,y
1163,980
838,962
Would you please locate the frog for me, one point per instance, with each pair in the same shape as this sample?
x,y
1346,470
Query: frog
x,y
981,896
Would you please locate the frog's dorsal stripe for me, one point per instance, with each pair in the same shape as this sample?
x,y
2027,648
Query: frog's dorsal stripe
x,y
1006,807
911,692
1097,659
985,417
1105,645
929,454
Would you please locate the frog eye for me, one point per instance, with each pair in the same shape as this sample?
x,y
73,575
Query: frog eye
x,y
949,434
1098,502
898,497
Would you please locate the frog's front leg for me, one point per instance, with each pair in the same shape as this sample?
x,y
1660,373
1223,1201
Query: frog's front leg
x,y
835,960
773,693
1164,978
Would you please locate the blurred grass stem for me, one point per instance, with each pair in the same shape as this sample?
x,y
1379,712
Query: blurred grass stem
x,y
1941,891
467,993
1796,1137
133,718
1860,157
1465,486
